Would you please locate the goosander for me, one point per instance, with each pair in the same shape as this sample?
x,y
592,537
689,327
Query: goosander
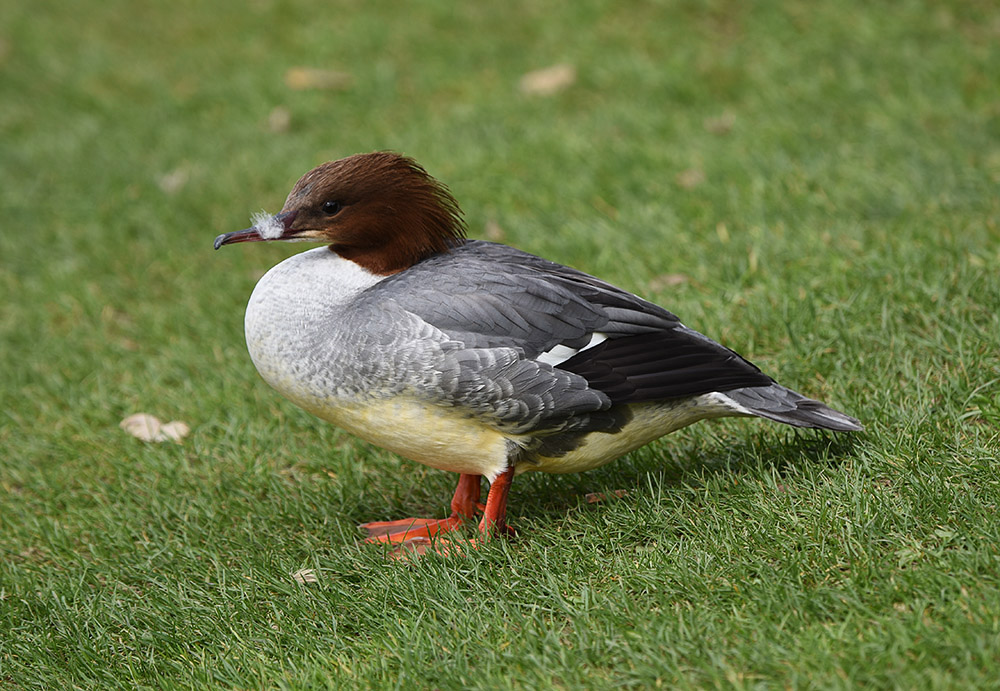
x,y
471,356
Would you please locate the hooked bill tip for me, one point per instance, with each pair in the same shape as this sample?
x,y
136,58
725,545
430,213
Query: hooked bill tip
x,y
219,240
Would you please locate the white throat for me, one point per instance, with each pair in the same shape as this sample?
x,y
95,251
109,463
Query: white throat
x,y
309,280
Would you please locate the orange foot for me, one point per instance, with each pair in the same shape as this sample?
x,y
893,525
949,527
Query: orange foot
x,y
420,535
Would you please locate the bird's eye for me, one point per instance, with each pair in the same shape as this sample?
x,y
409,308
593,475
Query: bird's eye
x,y
331,208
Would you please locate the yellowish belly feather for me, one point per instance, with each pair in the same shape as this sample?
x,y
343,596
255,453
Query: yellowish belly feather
x,y
446,439
435,436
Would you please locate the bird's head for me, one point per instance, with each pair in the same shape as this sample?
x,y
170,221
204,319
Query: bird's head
x,y
380,210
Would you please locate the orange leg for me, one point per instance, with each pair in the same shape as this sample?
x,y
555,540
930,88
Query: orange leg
x,y
495,515
464,504
413,535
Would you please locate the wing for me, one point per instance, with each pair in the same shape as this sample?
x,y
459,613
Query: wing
x,y
500,297
668,364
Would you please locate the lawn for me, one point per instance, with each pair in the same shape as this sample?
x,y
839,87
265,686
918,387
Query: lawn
x,y
815,185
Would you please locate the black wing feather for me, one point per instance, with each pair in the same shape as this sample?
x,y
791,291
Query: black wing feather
x,y
667,364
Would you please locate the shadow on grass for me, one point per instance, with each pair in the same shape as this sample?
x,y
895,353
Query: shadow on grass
x,y
692,459
690,462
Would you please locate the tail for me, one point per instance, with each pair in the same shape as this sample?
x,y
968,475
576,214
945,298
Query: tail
x,y
775,402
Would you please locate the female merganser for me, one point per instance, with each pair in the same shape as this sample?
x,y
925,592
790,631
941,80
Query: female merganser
x,y
471,356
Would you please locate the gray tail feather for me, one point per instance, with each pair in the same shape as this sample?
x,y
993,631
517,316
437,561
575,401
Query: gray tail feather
x,y
775,402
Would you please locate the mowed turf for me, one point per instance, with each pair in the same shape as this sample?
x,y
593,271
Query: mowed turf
x,y
815,186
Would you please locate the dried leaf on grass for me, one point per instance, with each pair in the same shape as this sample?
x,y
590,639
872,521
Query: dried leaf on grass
x,y
668,281
493,231
596,497
548,80
280,119
302,78
149,428
720,125
175,430
690,178
174,181
304,576
722,231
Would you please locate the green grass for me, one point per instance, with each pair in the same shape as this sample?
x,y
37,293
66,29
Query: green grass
x,y
846,237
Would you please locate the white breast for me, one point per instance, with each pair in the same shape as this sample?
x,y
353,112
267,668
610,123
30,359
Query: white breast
x,y
293,310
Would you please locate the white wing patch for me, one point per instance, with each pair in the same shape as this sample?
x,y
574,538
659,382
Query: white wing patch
x,y
559,354
267,226
711,400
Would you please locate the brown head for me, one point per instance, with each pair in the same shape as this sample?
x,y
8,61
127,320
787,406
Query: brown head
x,y
380,210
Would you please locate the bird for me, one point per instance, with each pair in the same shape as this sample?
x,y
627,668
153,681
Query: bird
x,y
471,356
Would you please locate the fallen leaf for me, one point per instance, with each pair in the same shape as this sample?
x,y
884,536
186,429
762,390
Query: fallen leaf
x,y
548,80
722,232
172,182
596,497
690,178
141,426
493,231
304,576
149,428
302,78
720,125
280,119
667,281
175,430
